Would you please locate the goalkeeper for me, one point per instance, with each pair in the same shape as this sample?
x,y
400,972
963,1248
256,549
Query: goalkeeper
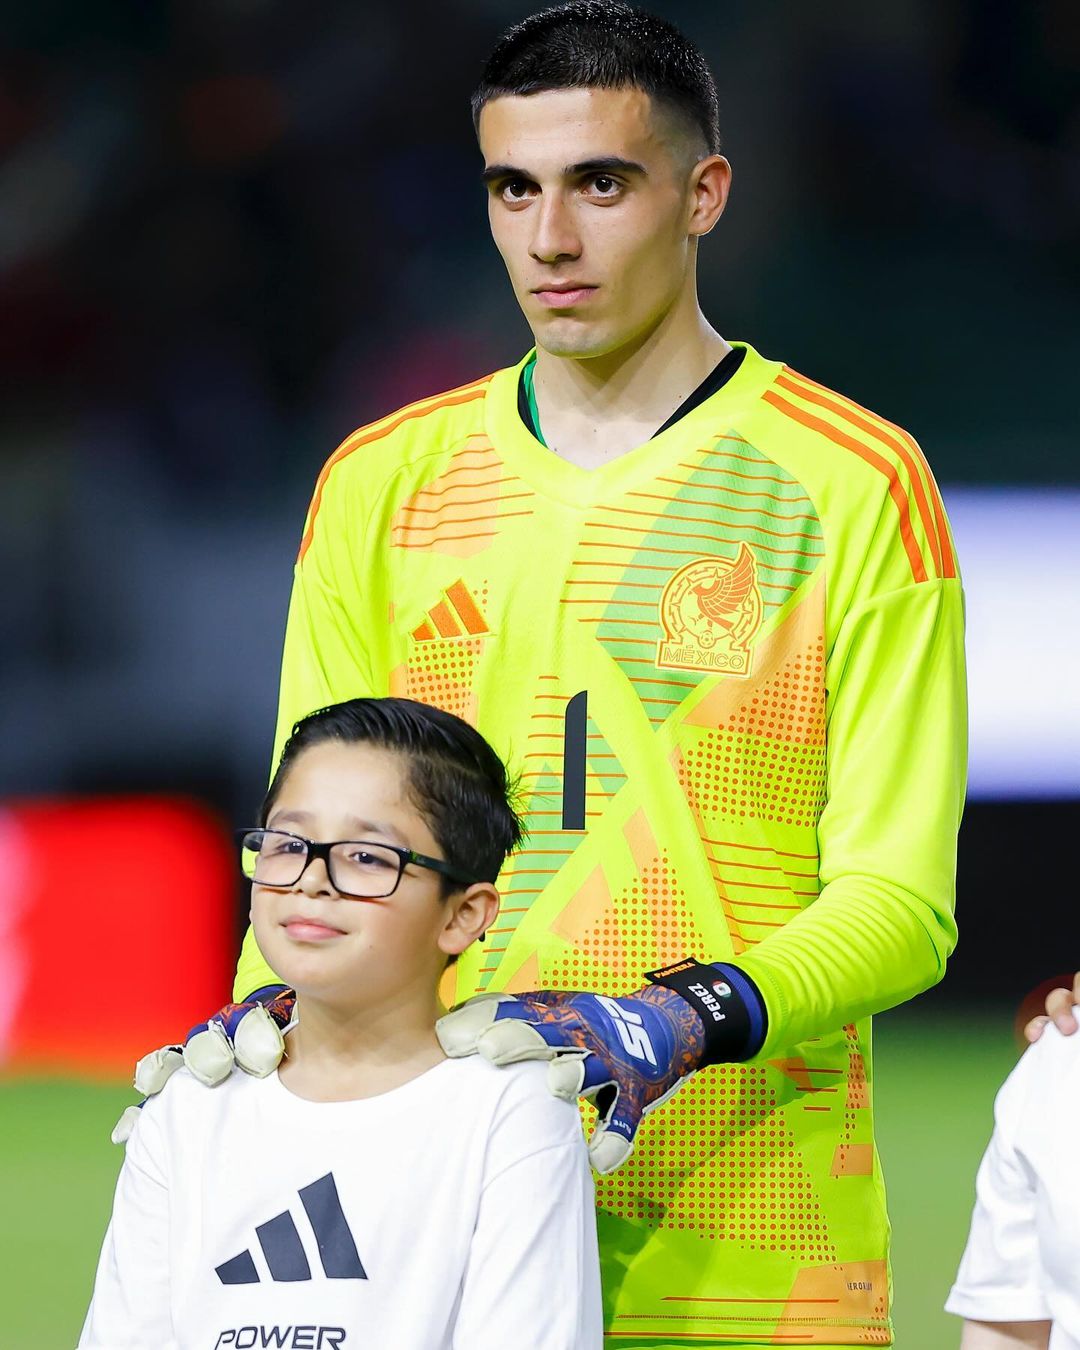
x,y
711,610
372,1192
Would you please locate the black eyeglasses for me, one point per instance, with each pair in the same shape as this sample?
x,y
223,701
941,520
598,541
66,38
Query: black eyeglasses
x,y
358,868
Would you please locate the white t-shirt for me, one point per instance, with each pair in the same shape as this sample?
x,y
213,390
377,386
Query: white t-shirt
x,y
453,1213
1022,1261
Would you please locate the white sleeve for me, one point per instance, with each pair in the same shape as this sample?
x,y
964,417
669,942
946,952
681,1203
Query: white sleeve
x,y
533,1273
131,1307
1000,1275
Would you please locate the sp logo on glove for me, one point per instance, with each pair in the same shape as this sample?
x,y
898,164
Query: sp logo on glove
x,y
630,1027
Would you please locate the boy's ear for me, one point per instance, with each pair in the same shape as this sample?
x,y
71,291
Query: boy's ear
x,y
470,913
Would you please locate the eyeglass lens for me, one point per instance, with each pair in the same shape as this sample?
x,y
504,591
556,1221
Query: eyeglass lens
x,y
277,859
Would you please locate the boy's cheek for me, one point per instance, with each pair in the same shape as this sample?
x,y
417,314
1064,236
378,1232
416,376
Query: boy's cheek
x,y
261,922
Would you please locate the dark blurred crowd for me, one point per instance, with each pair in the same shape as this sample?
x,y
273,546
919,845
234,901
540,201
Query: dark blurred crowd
x,y
234,228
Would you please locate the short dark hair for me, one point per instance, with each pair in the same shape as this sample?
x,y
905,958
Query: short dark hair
x,y
455,779
603,44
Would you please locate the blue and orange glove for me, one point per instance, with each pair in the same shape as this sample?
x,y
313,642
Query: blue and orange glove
x,y
248,1035
628,1055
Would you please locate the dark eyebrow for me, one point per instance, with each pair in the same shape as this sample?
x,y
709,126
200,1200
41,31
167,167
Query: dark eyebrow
x,y
602,164
494,172
356,823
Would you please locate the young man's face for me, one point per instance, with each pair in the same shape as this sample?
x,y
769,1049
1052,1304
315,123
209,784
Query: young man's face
x,y
592,206
340,949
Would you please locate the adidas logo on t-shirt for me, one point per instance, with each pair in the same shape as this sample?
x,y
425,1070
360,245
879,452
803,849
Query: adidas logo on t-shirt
x,y
284,1252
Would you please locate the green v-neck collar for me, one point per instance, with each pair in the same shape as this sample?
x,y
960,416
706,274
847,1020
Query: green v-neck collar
x,y
528,383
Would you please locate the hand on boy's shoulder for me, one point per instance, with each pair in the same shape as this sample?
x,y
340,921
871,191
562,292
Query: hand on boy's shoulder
x,y
181,1096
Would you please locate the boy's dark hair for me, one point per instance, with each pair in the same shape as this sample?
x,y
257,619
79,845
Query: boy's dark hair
x,y
455,780
603,44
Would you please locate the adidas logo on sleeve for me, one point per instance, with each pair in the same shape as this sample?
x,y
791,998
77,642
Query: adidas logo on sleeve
x,y
284,1252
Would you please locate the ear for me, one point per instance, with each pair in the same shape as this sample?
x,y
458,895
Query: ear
x,y
710,182
469,914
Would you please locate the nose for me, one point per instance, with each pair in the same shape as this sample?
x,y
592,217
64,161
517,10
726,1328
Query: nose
x,y
555,233
315,879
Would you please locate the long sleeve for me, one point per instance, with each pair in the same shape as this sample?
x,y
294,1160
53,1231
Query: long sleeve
x,y
882,926
131,1307
324,661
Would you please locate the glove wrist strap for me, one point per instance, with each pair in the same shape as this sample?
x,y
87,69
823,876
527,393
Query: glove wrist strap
x,y
266,994
728,1022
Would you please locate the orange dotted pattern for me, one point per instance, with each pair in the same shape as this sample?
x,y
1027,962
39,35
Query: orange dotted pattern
x,y
647,926
689,781
657,896
751,1187
767,761
858,1093
442,673
791,707
735,775
724,1165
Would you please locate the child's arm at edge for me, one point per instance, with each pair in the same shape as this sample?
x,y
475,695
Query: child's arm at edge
x,y
131,1305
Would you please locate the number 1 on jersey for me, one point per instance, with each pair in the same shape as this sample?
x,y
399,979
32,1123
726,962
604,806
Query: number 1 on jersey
x,y
574,740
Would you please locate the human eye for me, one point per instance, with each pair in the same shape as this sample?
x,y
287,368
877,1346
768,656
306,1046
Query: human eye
x,y
515,191
282,844
369,858
603,186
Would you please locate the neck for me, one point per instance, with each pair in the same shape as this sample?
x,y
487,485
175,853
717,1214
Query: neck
x,y
345,1051
592,410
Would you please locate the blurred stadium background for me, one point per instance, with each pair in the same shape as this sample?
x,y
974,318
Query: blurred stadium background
x,y
231,231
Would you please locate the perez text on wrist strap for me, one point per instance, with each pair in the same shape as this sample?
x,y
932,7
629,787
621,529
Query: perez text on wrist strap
x,y
727,1002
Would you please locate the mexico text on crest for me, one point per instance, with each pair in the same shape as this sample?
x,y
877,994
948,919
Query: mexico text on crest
x,y
710,610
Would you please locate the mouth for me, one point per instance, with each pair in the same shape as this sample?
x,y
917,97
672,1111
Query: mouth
x,y
303,928
565,294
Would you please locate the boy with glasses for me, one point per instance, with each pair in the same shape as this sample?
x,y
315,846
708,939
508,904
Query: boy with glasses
x,y
371,1192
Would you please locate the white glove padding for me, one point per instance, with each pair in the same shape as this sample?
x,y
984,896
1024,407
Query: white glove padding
x,y
256,1047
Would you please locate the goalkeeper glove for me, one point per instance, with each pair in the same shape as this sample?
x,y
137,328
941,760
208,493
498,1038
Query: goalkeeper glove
x,y
247,1034
628,1055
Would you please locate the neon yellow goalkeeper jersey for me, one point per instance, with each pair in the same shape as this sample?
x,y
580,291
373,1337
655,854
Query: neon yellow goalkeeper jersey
x,y
728,667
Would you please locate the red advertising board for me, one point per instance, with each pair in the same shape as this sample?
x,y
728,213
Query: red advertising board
x,y
116,929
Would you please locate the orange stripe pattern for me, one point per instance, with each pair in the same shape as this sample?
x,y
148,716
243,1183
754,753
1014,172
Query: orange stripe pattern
x,y
904,465
462,511
896,489
883,428
375,431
